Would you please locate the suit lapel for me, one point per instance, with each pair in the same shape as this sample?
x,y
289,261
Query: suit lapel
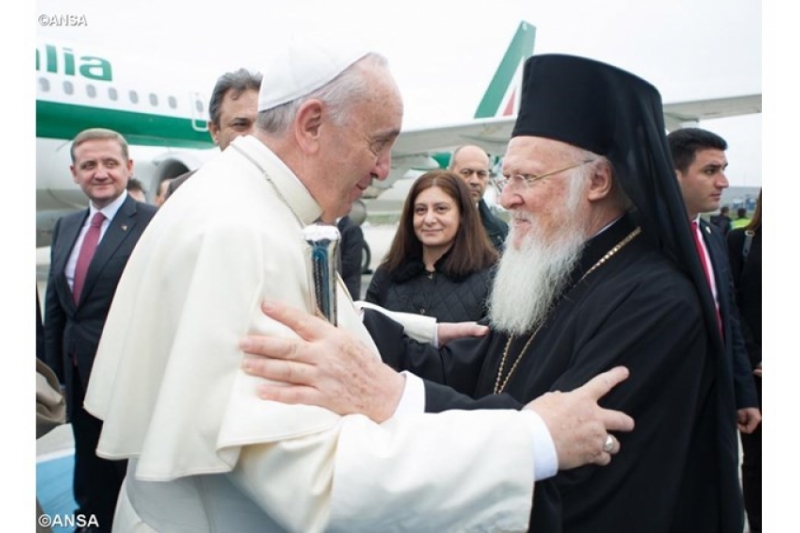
x,y
69,231
718,255
713,252
118,230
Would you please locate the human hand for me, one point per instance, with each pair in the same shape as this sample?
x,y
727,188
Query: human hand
x,y
757,371
326,366
748,419
579,427
448,331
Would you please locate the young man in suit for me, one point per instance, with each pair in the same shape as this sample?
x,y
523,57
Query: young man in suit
x,y
700,163
89,251
699,159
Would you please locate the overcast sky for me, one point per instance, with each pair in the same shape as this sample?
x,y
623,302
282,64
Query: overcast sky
x,y
443,53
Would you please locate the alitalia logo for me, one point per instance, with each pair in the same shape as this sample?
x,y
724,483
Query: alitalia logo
x,y
62,60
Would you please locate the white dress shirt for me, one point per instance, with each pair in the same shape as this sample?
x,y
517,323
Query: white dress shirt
x,y
109,212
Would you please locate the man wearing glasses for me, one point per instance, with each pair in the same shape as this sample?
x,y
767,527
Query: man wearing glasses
x,y
472,164
599,270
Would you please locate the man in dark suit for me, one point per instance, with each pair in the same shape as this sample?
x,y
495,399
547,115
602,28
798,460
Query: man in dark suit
x,y
472,164
699,160
89,251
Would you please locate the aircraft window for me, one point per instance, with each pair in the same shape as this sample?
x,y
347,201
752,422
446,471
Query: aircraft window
x,y
91,92
134,97
173,102
44,84
112,93
199,105
153,100
68,89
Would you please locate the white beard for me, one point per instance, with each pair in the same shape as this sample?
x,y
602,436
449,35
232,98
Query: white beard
x,y
530,277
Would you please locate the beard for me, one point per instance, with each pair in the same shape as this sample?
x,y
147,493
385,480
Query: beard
x,y
530,277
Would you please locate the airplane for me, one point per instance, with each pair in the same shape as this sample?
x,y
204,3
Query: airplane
x,y
167,131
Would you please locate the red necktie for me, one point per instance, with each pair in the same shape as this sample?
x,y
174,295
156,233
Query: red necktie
x,y
706,268
88,247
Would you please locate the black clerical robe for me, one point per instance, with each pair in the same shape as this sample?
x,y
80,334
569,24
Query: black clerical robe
x,y
638,310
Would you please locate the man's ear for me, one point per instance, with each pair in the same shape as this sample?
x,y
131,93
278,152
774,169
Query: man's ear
x,y
307,125
213,130
601,181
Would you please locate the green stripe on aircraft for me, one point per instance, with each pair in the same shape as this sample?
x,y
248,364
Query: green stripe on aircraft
x,y
521,48
64,121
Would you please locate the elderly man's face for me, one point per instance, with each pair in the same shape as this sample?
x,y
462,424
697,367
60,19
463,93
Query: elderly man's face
x,y
550,223
543,203
360,148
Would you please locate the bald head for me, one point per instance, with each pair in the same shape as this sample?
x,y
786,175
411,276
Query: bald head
x,y
471,163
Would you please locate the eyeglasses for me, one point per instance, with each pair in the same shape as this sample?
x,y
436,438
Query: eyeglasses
x,y
524,181
467,172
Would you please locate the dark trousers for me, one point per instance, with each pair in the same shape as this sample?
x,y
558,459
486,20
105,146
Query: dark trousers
x,y
96,482
751,472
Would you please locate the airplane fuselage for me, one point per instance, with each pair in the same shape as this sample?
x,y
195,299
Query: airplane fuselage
x,y
166,128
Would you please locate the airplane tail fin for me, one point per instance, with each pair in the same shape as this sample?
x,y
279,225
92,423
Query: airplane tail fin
x,y
502,96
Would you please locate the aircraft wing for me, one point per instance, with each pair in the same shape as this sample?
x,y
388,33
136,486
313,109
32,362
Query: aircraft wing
x,y
681,114
490,133
493,133
415,148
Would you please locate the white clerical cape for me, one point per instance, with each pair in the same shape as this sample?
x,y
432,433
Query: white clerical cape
x,y
206,452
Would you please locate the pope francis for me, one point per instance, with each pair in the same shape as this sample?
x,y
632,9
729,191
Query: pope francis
x,y
205,453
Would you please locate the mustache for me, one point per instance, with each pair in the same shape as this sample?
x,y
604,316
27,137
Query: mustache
x,y
521,216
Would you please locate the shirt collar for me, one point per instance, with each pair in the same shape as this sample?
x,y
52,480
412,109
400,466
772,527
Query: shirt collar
x,y
111,209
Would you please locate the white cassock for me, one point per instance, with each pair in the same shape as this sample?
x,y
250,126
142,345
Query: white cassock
x,y
206,454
